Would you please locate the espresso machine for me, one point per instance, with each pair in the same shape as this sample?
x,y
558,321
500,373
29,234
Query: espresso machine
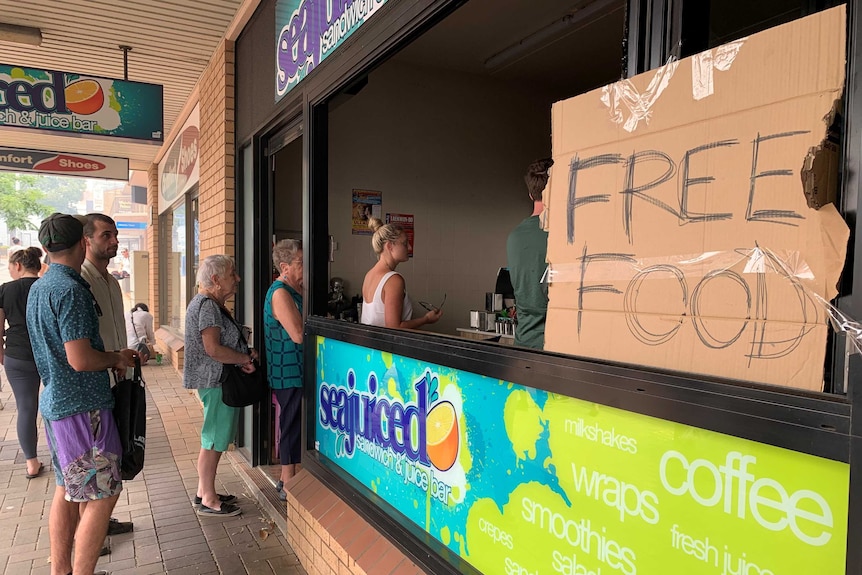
x,y
497,317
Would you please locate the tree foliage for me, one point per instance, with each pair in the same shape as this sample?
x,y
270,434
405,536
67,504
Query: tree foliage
x,y
61,193
20,199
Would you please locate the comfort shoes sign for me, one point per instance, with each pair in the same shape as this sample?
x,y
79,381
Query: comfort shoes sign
x,y
64,102
65,164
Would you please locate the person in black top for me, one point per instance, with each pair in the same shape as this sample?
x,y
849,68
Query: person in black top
x,y
16,354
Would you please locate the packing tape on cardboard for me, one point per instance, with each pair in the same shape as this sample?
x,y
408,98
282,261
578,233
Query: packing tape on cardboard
x,y
629,106
619,267
704,65
623,96
614,267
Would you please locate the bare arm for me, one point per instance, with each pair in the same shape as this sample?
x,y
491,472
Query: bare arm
x,y
212,345
148,326
393,302
285,311
2,336
82,357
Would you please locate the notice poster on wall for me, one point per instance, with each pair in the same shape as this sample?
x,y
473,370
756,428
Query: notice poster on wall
x,y
519,480
406,222
366,204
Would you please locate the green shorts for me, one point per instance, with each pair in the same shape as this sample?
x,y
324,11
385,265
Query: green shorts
x,y
220,420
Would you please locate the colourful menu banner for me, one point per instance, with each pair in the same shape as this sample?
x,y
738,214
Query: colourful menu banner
x,y
64,102
520,481
308,31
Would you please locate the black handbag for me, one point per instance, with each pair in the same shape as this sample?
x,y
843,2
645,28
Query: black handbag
x,y
130,414
238,388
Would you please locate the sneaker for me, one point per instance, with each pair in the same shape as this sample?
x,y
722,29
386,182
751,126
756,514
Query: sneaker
x,y
221,498
227,510
279,486
116,527
282,495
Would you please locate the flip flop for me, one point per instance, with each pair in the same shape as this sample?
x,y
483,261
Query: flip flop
x,y
37,474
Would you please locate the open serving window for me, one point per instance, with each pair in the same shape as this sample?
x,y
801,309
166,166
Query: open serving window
x,y
691,407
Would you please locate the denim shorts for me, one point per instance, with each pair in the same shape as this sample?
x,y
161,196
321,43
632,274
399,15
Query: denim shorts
x,y
86,452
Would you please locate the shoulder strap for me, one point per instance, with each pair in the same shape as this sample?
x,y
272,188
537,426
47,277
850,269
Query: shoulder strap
x,y
232,320
379,291
134,325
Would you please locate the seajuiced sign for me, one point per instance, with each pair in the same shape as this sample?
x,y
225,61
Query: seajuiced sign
x,y
307,31
65,102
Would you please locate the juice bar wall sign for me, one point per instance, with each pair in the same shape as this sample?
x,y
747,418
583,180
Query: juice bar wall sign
x,y
64,102
521,481
308,31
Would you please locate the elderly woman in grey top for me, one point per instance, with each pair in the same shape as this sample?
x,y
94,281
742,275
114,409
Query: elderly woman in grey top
x,y
212,339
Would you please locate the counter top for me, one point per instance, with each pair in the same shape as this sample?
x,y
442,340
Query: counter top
x,y
476,334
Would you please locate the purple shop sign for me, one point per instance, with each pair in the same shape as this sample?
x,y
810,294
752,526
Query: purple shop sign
x,y
307,31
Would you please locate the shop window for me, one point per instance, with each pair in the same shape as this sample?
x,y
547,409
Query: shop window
x,y
181,229
439,138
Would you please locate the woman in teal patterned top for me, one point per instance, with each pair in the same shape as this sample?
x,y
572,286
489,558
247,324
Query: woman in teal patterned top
x,y
282,322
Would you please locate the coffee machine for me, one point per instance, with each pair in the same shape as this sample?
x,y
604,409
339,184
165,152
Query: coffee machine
x,y
499,304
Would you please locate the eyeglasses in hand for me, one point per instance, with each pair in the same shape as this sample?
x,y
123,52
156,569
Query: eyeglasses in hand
x,y
432,307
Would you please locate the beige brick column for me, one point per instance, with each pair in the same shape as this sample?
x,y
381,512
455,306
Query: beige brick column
x,y
153,240
217,185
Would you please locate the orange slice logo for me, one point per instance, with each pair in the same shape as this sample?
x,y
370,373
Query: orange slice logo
x,y
84,97
442,442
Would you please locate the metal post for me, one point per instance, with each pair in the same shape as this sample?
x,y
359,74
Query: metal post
x,y
126,50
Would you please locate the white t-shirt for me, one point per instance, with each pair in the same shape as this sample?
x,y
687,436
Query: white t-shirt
x,y
374,312
141,327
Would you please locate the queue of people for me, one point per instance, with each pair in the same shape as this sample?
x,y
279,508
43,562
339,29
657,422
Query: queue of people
x,y
76,310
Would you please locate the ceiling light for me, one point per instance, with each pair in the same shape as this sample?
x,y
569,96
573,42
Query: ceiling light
x,y
20,34
554,31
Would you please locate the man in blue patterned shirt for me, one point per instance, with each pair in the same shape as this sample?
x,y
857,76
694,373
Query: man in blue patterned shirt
x,y
76,403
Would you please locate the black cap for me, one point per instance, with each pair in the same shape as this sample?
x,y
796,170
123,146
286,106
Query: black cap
x,y
60,232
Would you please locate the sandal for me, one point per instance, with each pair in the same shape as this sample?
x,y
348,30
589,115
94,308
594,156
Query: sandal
x,y
38,472
227,510
221,498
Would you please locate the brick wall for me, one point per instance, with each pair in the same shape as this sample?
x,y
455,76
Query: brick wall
x,y
330,538
153,240
217,187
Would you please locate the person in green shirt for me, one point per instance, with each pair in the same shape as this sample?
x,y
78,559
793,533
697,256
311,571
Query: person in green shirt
x,y
527,249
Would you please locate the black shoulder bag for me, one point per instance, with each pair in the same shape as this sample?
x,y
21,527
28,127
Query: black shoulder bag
x,y
130,414
238,388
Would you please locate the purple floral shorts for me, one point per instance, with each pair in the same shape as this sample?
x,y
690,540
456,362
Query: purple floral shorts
x,y
86,451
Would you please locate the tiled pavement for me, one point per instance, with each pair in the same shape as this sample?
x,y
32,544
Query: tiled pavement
x,y
169,537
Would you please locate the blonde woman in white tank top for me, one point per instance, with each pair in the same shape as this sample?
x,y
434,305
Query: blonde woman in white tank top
x,y
384,295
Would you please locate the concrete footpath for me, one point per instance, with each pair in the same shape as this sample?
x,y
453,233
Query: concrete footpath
x,y
169,537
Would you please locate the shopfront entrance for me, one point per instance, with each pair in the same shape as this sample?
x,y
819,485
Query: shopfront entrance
x,y
428,116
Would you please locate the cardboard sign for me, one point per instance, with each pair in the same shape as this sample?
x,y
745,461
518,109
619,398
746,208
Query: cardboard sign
x,y
680,234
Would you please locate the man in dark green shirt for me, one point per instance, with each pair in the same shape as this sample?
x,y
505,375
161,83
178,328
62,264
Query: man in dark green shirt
x,y
527,249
